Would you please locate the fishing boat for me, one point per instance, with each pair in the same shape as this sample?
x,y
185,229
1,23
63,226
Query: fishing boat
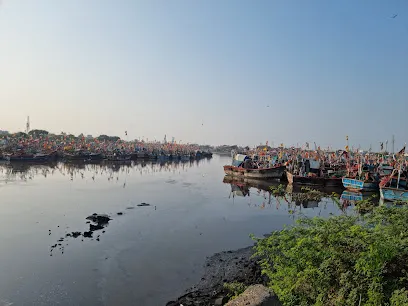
x,y
355,184
96,156
118,157
207,154
142,155
152,156
244,166
319,181
185,157
361,176
394,187
24,157
84,156
311,172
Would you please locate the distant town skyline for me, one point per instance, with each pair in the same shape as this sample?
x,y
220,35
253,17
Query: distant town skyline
x,y
209,72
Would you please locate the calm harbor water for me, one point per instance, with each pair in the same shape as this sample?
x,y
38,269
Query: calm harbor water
x,y
146,256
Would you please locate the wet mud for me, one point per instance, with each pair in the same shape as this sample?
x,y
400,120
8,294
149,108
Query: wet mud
x,y
224,267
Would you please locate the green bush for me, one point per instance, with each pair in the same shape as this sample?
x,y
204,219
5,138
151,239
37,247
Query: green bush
x,y
343,260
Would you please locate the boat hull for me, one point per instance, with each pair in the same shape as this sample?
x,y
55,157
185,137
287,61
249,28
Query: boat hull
x,y
359,185
266,173
314,181
32,159
393,194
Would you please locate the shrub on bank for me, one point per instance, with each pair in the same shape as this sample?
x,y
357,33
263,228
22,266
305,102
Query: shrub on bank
x,y
344,260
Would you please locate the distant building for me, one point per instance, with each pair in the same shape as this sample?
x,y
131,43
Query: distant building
x,y
2,133
89,137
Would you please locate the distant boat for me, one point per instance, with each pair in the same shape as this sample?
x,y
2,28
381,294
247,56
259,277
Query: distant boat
x,y
83,156
119,157
96,156
185,157
207,154
142,155
24,157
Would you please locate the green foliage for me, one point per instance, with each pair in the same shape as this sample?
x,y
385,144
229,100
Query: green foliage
x,y
20,135
278,191
37,133
234,289
108,138
401,202
308,194
399,297
343,260
367,205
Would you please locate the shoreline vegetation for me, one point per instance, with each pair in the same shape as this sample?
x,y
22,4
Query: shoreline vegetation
x,y
360,258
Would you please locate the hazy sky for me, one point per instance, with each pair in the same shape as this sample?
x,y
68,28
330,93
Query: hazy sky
x,y
205,71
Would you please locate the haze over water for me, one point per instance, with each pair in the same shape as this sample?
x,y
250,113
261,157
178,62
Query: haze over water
x,y
147,256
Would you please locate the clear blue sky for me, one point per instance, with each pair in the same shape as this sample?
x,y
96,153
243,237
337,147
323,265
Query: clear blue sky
x,y
205,71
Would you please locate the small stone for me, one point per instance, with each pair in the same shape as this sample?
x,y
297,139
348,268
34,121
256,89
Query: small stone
x,y
220,301
87,234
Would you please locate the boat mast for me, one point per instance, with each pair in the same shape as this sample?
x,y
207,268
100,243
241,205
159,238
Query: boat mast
x,y
399,176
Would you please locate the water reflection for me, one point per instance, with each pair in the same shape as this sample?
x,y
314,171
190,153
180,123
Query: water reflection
x,y
76,170
294,196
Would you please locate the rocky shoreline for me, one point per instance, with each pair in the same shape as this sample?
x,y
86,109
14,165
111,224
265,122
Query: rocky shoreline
x,y
223,267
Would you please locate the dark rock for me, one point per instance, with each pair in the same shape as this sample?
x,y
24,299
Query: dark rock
x,y
221,301
143,204
120,213
73,234
97,227
99,219
88,234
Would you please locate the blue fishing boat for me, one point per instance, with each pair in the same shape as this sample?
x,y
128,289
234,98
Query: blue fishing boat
x,y
394,187
359,185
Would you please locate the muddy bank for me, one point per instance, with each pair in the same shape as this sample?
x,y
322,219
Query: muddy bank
x,y
224,267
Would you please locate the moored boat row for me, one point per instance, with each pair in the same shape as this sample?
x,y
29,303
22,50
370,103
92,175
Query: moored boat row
x,y
360,172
